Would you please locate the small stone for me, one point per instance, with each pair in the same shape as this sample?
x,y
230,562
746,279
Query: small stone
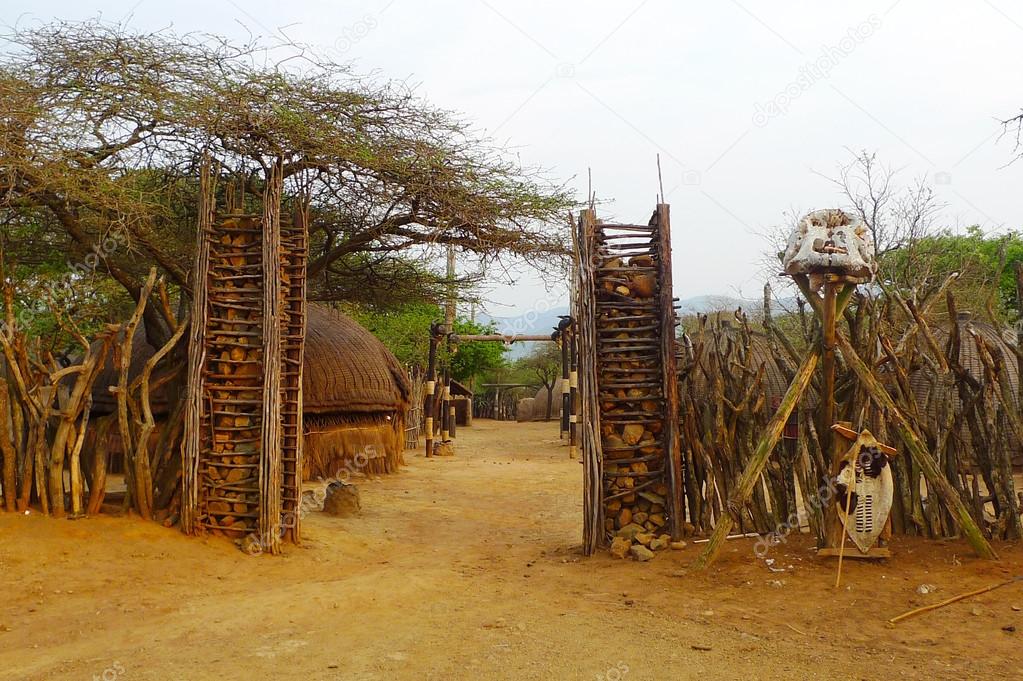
x,y
644,538
1016,608
629,531
652,498
641,553
925,589
632,433
678,545
342,500
620,547
1009,628
251,545
658,519
976,611
640,518
659,543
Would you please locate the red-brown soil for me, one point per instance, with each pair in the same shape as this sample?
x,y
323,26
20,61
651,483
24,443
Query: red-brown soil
x,y
469,568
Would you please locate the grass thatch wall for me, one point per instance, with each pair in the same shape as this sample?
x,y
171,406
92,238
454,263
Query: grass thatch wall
x,y
341,446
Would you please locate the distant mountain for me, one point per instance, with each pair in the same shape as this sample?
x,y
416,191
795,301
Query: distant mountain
x,y
752,306
543,322
533,322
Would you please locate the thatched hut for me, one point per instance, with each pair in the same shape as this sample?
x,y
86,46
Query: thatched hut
x,y
355,393
728,341
928,391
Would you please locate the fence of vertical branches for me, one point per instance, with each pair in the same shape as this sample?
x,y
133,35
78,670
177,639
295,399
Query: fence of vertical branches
x,y
53,452
954,376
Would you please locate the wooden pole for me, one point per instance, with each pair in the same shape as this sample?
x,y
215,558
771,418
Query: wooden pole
x,y
431,387
669,371
828,358
445,405
565,375
935,479
7,448
573,395
954,599
191,449
744,488
845,523
271,475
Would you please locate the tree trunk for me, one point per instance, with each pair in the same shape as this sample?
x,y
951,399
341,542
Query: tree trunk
x,y
7,447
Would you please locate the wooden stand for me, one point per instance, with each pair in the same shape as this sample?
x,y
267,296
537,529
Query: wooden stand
x,y
242,464
628,379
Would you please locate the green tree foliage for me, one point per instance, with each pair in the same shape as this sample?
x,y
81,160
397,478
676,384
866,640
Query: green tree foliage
x,y
404,329
102,130
475,359
986,264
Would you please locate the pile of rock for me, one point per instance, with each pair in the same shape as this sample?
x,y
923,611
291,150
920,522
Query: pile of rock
x,y
229,475
633,540
630,376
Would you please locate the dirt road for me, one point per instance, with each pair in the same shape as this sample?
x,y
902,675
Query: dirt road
x,y
469,568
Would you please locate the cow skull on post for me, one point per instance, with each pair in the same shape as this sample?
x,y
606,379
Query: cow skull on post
x,y
830,240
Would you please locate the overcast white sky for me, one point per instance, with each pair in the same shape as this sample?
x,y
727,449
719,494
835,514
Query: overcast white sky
x,y
607,85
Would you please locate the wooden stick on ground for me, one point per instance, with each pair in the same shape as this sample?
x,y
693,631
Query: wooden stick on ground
x,y
845,530
954,599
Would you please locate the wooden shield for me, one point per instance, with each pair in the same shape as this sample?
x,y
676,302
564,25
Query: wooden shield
x,y
873,504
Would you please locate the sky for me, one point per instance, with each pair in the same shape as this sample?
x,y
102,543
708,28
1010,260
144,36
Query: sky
x,y
751,105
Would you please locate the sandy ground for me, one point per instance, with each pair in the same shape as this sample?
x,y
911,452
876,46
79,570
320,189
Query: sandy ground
x,y
469,568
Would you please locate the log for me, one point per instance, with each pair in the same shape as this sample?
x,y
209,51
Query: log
x,y
137,470
7,450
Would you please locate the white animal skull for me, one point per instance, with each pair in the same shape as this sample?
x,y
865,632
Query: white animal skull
x,y
830,240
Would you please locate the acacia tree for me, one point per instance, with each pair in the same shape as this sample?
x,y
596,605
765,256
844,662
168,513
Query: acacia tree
x,y
102,131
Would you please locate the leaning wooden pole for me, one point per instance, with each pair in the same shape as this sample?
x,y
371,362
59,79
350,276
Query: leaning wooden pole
x,y
191,449
743,490
935,479
669,372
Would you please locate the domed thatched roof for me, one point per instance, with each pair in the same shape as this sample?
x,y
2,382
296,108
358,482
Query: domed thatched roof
x,y
347,369
775,383
969,357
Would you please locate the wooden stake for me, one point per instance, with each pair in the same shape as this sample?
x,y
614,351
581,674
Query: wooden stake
x,y
845,522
